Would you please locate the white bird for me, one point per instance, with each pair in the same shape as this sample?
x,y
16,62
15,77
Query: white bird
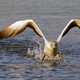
x,y
50,47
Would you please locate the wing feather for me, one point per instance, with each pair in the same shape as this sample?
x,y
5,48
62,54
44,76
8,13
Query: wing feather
x,y
18,27
72,23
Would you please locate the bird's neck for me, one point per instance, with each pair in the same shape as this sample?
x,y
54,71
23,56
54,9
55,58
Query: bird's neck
x,y
45,40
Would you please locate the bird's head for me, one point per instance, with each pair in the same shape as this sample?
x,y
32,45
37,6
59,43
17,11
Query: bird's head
x,y
51,48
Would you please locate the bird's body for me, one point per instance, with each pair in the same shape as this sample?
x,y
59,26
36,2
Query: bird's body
x,y
51,54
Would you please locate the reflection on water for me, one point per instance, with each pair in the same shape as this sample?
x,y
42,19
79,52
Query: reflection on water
x,y
15,49
14,63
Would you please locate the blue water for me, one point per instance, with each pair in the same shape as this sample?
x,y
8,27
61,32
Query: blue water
x,y
52,16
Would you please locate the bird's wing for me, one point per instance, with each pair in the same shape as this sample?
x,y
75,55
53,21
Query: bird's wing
x,y
18,27
72,23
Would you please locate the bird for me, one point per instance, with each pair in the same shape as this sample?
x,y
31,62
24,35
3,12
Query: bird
x,y
71,24
19,27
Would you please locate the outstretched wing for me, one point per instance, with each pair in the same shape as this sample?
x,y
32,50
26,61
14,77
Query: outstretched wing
x,y
72,23
18,27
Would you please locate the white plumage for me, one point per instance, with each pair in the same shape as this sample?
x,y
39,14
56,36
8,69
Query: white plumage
x,y
72,23
18,24
18,27
50,48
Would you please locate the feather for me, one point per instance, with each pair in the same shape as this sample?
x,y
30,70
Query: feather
x,y
18,27
72,23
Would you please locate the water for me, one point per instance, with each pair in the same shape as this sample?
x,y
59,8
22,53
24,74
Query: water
x,y
52,16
